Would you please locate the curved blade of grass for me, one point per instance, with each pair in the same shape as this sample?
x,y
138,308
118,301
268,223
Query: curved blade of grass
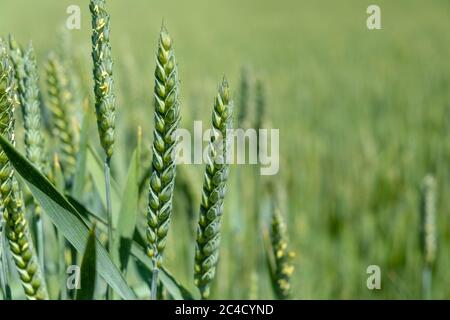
x,y
128,211
65,217
88,272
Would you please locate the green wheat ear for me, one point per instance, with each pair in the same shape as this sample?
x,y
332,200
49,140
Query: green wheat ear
x,y
59,102
29,99
283,258
428,237
17,230
105,99
26,76
167,119
213,193
244,98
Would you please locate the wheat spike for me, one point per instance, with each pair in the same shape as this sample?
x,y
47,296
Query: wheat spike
x,y
167,118
59,103
105,99
213,193
428,217
283,258
17,230
244,99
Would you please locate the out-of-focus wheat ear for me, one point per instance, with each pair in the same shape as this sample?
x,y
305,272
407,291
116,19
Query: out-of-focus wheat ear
x,y
34,138
167,119
261,108
213,193
244,99
17,230
59,101
105,100
281,279
428,238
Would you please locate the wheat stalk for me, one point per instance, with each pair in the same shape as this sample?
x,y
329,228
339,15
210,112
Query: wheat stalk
x,y
428,231
283,267
167,119
17,230
213,193
59,104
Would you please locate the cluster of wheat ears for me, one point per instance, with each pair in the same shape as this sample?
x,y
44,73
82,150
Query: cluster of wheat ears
x,y
51,180
36,187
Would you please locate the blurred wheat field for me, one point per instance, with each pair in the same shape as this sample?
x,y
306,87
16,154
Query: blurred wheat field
x,y
362,118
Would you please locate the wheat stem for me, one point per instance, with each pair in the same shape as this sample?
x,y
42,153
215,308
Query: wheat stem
x,y
154,286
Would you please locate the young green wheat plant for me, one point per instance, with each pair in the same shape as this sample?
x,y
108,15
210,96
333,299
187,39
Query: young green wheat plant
x,y
213,193
105,99
17,230
167,119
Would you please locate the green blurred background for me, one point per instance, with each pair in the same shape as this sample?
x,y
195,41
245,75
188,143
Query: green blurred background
x,y
363,117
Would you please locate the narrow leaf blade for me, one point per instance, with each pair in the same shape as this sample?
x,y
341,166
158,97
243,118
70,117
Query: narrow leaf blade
x,y
88,272
65,217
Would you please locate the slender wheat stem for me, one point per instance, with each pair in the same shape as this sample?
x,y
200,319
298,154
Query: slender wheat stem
x,y
167,119
213,193
17,231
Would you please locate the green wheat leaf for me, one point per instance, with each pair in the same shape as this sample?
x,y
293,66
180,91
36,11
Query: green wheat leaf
x,y
88,273
65,217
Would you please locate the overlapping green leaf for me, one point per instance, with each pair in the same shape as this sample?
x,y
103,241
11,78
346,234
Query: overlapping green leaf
x,y
128,212
88,272
65,217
